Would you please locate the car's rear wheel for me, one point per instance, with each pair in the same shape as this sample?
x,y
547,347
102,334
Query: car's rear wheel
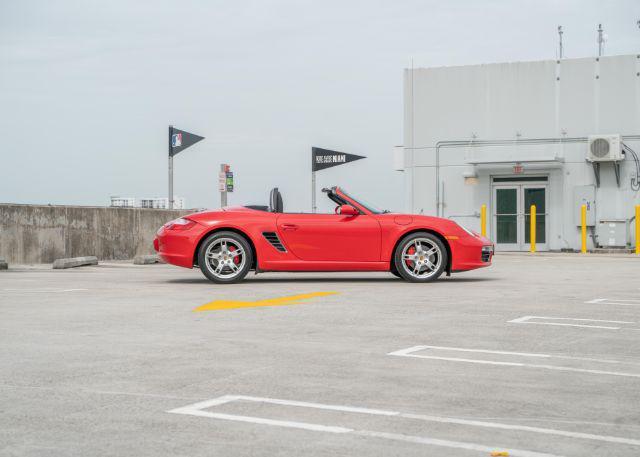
x,y
225,257
420,257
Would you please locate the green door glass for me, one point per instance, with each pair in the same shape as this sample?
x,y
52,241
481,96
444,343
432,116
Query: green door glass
x,y
507,215
535,196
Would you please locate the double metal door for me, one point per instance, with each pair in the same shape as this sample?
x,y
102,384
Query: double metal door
x,y
512,216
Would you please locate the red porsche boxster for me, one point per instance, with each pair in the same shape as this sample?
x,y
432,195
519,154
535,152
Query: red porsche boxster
x,y
225,244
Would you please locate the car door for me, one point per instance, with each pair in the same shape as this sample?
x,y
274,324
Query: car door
x,y
331,237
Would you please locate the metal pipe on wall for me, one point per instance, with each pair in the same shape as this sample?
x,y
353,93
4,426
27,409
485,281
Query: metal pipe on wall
x,y
480,143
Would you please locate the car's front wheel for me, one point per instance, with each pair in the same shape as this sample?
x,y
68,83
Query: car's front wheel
x,y
420,257
225,257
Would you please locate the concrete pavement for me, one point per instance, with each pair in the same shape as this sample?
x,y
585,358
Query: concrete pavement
x,y
535,355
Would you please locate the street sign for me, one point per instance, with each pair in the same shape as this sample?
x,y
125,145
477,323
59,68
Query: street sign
x,y
229,181
225,182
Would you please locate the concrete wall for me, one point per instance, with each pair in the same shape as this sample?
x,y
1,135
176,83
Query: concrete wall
x,y
40,234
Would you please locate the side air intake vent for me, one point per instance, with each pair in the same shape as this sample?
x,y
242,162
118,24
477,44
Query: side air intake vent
x,y
272,238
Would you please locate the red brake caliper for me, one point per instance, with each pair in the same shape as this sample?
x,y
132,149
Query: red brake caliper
x,y
236,259
410,251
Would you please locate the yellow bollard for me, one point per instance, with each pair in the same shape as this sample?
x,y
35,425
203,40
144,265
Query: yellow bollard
x,y
532,228
637,229
583,217
483,220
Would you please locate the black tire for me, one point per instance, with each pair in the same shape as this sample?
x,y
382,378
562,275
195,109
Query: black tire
x,y
394,272
217,261
424,265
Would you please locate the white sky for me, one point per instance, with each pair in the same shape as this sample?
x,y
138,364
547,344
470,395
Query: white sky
x,y
88,88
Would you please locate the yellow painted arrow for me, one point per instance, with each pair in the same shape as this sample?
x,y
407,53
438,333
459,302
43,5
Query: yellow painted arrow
x,y
280,301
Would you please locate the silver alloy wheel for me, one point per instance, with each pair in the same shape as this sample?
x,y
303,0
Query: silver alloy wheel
x,y
221,258
424,261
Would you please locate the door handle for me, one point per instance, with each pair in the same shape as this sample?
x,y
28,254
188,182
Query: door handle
x,y
289,227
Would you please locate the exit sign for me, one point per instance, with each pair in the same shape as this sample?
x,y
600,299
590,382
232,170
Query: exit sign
x,y
518,169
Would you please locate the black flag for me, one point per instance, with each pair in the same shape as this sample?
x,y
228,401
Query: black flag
x,y
180,140
325,158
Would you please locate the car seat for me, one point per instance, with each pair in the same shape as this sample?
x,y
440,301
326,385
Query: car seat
x,y
275,201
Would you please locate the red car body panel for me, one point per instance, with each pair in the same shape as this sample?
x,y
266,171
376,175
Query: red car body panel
x,y
320,242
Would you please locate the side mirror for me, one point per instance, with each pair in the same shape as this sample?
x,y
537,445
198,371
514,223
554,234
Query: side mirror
x,y
348,210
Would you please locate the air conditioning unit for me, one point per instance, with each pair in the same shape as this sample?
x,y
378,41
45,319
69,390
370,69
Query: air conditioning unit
x,y
604,148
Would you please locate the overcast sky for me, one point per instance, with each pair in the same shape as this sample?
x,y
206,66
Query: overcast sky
x,y
88,88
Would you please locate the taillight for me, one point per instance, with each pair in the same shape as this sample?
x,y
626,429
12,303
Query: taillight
x,y
180,224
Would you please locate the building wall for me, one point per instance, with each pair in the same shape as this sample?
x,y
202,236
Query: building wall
x,y
41,234
571,98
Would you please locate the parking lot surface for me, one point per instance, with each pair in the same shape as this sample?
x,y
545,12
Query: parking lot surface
x,y
537,355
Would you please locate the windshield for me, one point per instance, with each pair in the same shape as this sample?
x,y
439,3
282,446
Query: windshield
x,y
363,203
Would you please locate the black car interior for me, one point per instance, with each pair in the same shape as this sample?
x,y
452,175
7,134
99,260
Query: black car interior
x,y
276,205
275,201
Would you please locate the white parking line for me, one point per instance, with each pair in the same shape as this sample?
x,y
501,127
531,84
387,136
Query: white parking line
x,y
411,352
614,301
523,354
197,409
42,291
530,320
450,444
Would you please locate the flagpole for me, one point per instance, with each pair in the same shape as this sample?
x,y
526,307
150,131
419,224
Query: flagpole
x,y
170,169
313,191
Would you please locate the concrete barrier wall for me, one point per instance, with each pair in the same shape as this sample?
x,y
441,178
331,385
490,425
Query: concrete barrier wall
x,y
41,234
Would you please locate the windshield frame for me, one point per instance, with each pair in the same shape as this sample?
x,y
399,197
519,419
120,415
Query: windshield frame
x,y
363,207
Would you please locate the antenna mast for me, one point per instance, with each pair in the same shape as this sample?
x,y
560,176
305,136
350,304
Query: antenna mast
x,y
560,48
600,40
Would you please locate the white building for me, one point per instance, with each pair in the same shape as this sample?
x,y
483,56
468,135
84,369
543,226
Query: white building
x,y
162,203
154,203
509,135
123,202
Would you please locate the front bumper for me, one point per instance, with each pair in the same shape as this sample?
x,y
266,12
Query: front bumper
x,y
470,253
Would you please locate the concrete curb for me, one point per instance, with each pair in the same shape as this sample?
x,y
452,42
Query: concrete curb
x,y
3,264
74,262
146,259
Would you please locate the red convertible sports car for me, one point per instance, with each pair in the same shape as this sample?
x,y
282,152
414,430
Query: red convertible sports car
x,y
225,244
